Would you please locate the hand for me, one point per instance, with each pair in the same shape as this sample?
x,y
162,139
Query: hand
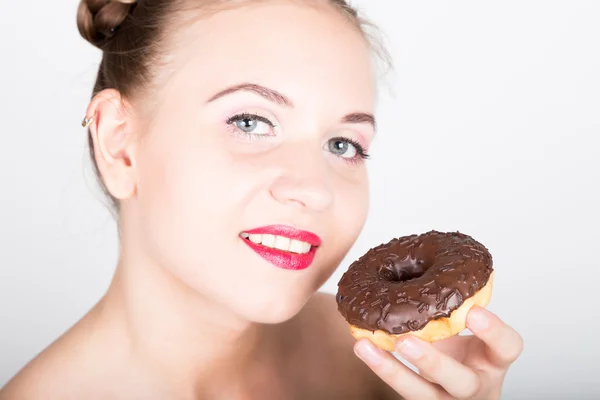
x,y
460,367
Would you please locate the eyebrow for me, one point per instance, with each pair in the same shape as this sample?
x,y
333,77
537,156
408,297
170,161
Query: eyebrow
x,y
269,94
360,118
278,98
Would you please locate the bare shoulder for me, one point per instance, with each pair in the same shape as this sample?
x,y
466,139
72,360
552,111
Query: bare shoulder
x,y
35,379
18,387
332,346
56,372
67,368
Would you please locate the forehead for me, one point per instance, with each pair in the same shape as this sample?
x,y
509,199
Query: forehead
x,y
301,51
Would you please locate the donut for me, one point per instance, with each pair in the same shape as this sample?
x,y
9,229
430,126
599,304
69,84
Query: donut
x,y
422,285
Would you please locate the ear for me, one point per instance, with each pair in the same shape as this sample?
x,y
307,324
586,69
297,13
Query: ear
x,y
112,136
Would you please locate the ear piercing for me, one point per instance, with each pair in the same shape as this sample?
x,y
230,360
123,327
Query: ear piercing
x,y
87,121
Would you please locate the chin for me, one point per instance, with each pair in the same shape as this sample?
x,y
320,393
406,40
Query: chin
x,y
273,309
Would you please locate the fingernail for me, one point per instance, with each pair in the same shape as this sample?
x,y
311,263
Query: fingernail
x,y
410,348
369,353
478,319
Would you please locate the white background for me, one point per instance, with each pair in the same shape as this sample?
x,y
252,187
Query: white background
x,y
492,130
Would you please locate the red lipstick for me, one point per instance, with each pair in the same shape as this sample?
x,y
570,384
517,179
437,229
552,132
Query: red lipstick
x,y
285,259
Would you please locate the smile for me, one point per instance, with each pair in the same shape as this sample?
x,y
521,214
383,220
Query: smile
x,y
283,246
278,242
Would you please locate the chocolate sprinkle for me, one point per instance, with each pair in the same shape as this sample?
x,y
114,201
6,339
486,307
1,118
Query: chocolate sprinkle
x,y
413,280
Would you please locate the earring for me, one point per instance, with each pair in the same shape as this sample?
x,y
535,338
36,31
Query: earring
x,y
87,121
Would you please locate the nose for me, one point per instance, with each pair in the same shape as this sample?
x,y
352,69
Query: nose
x,y
303,180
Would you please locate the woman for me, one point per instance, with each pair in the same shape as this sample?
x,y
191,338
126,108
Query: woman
x,y
232,138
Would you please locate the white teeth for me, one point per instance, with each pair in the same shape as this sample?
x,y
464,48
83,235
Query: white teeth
x,y
256,239
282,243
305,247
268,240
299,247
278,242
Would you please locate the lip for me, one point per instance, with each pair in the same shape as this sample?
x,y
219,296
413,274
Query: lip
x,y
283,259
288,232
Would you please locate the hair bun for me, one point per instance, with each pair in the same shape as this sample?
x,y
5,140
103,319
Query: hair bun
x,y
98,20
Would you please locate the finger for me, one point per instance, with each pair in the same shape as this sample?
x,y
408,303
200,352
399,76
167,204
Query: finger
x,y
503,344
398,376
457,379
455,346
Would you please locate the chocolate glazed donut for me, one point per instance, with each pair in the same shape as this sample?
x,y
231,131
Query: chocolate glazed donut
x,y
422,285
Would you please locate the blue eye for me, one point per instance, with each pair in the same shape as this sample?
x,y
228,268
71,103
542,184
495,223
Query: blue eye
x,y
251,124
342,148
346,148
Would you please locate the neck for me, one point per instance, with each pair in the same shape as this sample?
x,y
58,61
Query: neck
x,y
185,339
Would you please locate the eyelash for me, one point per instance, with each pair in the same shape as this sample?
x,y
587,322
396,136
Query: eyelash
x,y
362,154
360,150
246,135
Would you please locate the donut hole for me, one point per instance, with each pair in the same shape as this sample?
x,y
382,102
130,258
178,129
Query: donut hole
x,y
403,270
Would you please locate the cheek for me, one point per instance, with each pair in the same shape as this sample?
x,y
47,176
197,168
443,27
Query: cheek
x,y
349,213
186,199
346,221
353,204
177,180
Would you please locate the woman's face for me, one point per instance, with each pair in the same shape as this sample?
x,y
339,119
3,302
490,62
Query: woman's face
x,y
260,128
